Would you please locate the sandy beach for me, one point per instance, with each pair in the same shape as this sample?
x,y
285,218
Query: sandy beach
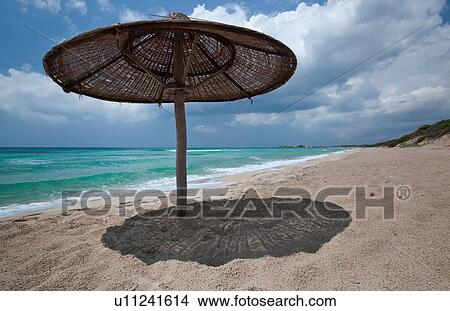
x,y
49,251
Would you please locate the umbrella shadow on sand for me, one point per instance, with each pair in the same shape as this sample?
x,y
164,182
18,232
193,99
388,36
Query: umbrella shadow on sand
x,y
304,227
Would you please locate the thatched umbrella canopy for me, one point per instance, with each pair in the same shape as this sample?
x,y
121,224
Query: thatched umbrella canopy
x,y
171,60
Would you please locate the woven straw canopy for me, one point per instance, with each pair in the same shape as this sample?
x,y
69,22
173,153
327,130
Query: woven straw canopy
x,y
171,60
133,62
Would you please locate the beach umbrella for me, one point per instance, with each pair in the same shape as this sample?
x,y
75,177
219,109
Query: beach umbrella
x,y
175,59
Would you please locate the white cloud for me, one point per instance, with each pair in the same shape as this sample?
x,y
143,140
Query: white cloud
x,y
23,5
340,31
256,119
31,95
26,67
409,84
432,98
53,6
105,5
406,84
127,15
73,29
431,101
230,14
77,5
205,129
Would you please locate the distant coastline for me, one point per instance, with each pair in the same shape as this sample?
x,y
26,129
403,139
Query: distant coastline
x,y
438,133
324,146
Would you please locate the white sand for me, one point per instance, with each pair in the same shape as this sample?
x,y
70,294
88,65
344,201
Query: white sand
x,y
411,252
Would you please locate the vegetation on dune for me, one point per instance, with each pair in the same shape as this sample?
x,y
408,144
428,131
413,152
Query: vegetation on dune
x,y
424,133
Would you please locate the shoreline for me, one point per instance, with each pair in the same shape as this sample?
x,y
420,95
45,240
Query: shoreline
x,y
218,181
309,162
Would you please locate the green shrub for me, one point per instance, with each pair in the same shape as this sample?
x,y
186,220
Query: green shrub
x,y
425,132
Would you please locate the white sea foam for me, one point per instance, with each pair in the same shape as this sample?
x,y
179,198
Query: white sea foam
x,y
199,150
15,209
254,158
28,161
269,165
169,183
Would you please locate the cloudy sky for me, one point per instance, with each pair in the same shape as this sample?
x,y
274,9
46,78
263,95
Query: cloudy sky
x,y
397,91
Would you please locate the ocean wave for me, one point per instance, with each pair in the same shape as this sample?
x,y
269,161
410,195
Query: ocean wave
x,y
26,208
169,183
28,161
198,150
255,158
267,165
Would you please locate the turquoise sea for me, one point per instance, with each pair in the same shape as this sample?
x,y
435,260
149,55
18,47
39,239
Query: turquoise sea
x,y
31,179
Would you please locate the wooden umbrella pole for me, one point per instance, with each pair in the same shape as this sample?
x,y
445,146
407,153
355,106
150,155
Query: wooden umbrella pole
x,y
178,68
180,120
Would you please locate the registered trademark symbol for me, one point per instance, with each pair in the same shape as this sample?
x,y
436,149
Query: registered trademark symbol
x,y
403,193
